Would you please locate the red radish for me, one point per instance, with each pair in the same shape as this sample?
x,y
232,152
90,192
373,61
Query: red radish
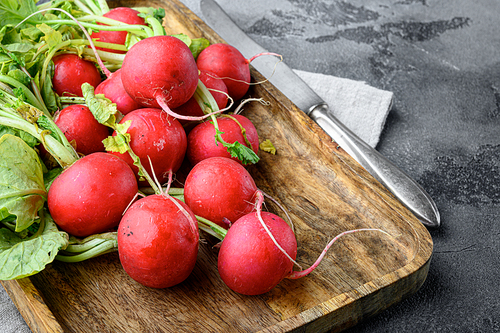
x,y
216,86
212,82
219,188
201,143
259,251
158,241
79,124
154,134
91,195
160,69
70,72
229,64
122,14
113,89
249,262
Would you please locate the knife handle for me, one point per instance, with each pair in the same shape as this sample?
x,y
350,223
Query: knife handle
x,y
409,192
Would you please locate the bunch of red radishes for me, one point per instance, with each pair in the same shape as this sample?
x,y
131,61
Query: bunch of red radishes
x,y
161,91
157,90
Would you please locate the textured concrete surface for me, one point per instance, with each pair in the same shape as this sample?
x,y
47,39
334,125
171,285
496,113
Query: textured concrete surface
x,y
442,61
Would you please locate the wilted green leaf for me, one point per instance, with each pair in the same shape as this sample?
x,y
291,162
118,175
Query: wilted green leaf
x,y
198,45
24,257
268,146
22,190
20,76
117,143
102,108
52,37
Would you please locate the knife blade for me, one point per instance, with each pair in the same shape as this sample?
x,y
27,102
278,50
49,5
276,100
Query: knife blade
x,y
404,188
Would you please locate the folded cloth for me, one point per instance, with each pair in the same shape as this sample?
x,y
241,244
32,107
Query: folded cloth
x,y
362,108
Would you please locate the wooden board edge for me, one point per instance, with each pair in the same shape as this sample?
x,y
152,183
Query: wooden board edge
x,y
342,312
348,309
31,305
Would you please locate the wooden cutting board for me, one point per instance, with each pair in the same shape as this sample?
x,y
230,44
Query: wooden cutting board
x,y
325,191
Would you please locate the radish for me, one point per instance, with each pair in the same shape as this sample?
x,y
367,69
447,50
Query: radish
x,y
155,137
158,241
259,250
160,70
70,72
201,143
91,195
229,64
112,88
218,90
219,188
158,235
249,262
78,123
122,14
216,86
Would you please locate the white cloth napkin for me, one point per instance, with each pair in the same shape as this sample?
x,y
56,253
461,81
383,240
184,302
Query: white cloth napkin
x,y
362,108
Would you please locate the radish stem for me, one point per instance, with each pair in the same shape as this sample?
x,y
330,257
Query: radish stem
x,y
211,228
105,247
174,191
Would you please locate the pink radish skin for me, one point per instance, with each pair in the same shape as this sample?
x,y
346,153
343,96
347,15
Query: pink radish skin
x,y
249,262
160,67
70,72
214,84
122,14
91,195
112,88
79,124
229,64
201,143
218,188
154,134
158,241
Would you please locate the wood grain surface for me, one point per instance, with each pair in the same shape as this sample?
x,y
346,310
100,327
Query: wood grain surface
x,y
325,192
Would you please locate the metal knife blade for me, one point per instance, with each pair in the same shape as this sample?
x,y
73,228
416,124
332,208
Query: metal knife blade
x,y
408,192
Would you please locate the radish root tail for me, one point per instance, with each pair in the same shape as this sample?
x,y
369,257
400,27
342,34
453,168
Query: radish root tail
x,y
239,109
299,274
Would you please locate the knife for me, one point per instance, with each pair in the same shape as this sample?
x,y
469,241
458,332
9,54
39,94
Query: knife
x,y
404,188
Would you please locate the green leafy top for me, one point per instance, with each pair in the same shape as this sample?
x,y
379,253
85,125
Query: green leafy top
x,y
14,11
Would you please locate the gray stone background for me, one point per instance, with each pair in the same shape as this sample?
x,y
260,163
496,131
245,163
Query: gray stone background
x,y
442,61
